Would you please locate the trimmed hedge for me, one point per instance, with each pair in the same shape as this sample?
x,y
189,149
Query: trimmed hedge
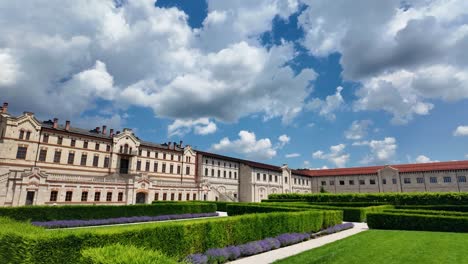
x,y
124,254
427,198
403,221
426,212
176,239
456,208
84,212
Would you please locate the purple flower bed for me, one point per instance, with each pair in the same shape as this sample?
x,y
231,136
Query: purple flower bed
x,y
120,220
222,255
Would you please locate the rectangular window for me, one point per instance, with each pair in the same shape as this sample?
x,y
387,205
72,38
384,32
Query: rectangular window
x,y
164,167
156,154
206,171
108,148
372,181
420,180
71,157
73,142
447,179
106,162
97,196
362,182
120,197
171,168
295,181
45,138
433,179
180,197
155,169
21,153
164,156
53,196
95,161
84,196
178,169
140,152
84,158
68,196
172,196
219,174
407,180
384,181
270,177
96,147
138,165
148,153
194,196
187,170
324,183
156,196
394,181
109,197
461,178
235,176
85,144
230,175
224,174
341,182
28,135
57,156
43,155
264,177
164,196
258,176
59,140
212,173
285,179
187,197
21,134
351,182
147,166
332,182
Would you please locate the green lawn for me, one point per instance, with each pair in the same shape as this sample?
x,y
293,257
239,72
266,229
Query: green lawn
x,y
382,246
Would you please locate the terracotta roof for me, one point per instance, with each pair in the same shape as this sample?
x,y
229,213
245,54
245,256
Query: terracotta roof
x,y
248,162
402,168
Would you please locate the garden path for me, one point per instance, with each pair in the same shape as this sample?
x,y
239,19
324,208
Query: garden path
x,y
281,253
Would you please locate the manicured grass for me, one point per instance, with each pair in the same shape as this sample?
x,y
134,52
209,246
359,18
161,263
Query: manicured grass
x,y
382,246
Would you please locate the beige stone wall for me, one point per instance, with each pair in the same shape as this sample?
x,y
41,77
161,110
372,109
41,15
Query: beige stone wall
x,y
221,178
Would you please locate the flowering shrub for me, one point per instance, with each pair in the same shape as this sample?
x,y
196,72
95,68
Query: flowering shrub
x,y
120,220
221,255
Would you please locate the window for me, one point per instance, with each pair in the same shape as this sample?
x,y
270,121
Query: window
x,y
106,162
372,181
461,178
362,182
156,196
187,197
332,182
84,196
21,134
235,176
164,196
172,196
407,180
155,169
71,157
84,158
206,171
206,161
171,168
285,179
140,152
95,161
224,174
147,166
230,175
447,179
264,177
85,144
420,180
180,197
148,153
384,181
138,165
351,182
270,177
57,156
194,196
172,156
433,179
178,169
28,135
96,147
324,183
97,196
295,181
120,197
219,163
341,182
212,162
21,153
212,172
68,196
394,181
156,155
258,176
53,196
108,148
43,155
164,156
59,140
109,197
73,142
164,167
187,170
45,138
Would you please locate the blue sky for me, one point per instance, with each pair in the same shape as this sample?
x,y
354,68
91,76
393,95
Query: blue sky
x,y
297,82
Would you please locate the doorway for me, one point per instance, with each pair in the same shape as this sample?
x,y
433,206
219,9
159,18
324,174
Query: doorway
x,y
30,198
124,164
141,198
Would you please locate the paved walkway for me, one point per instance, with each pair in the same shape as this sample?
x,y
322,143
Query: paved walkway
x,y
281,253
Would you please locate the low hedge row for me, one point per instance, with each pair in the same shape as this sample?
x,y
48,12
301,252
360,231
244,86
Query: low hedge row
x,y
426,212
119,253
176,239
84,212
406,221
426,198
330,218
456,208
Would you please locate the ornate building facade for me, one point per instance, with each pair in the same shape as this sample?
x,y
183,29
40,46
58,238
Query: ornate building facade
x,y
45,163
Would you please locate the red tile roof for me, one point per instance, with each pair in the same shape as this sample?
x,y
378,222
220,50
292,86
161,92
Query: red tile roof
x,y
419,167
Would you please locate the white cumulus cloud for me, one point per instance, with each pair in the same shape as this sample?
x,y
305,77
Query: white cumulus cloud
x,y
247,145
381,151
292,155
201,126
329,106
461,131
423,159
358,129
337,155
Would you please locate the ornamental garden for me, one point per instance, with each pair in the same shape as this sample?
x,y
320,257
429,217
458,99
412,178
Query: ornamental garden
x,y
404,227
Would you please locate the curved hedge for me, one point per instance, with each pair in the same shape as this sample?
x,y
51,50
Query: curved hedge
x,y
426,198
85,212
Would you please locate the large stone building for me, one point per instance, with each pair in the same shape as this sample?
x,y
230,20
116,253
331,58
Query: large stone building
x,y
49,163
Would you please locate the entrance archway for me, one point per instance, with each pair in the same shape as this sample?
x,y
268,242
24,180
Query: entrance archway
x,y
141,198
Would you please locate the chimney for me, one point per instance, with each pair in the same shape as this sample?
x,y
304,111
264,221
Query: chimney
x,y
67,125
118,132
98,130
173,146
55,123
104,129
169,145
5,108
180,144
111,132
